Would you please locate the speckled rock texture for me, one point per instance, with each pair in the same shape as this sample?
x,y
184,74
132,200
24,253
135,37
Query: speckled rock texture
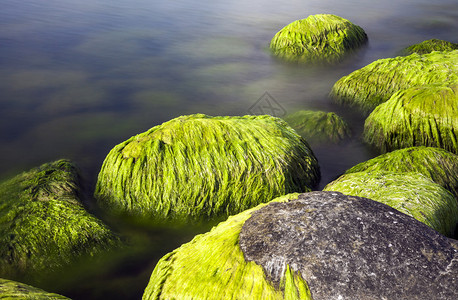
x,y
349,247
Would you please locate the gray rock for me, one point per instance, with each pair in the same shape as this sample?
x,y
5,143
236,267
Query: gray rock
x,y
349,247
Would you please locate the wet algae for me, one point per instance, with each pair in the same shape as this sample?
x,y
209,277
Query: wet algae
x,y
202,167
318,39
430,46
15,290
43,224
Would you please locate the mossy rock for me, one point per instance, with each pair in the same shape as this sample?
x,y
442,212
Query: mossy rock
x,y
319,126
430,46
375,83
419,116
198,167
319,39
317,245
212,266
43,224
15,290
437,164
411,193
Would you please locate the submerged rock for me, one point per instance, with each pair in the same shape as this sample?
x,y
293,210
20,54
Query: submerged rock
x,y
319,126
202,167
411,193
437,164
318,39
323,245
43,224
374,84
348,247
15,290
419,116
430,46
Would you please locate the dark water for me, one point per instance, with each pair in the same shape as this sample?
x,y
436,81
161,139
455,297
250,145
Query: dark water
x,y
78,77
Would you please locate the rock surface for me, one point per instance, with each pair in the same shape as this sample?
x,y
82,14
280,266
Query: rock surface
x,y
200,167
351,248
43,224
321,38
430,46
15,290
411,193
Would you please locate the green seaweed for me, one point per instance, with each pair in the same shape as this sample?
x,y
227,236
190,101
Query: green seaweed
x,y
411,193
15,290
429,46
437,164
43,225
419,116
319,38
375,83
319,126
196,167
212,266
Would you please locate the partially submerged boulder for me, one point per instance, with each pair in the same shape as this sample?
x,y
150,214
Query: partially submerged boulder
x,y
323,245
437,164
429,46
319,126
374,84
15,290
319,38
198,166
419,116
43,224
411,193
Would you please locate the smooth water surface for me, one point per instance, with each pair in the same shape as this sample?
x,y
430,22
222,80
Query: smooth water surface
x,y
78,77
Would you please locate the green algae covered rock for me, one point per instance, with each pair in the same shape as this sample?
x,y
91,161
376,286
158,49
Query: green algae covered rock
x,y
43,224
320,245
375,83
318,39
419,116
437,164
319,126
411,193
15,290
430,46
197,167
212,266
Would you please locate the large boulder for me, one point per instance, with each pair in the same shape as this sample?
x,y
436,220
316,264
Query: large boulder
x,y
43,224
430,46
15,290
318,126
197,166
375,83
319,38
323,245
411,193
437,164
419,116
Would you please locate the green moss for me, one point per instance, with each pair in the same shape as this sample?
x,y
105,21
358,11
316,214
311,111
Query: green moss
x,y
419,116
15,290
43,225
374,84
430,46
212,266
437,164
318,39
319,126
197,166
411,193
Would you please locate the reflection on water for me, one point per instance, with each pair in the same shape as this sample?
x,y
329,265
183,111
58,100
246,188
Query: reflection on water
x,y
76,78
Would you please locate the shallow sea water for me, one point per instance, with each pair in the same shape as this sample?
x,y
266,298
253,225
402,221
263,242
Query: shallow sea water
x,y
77,78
